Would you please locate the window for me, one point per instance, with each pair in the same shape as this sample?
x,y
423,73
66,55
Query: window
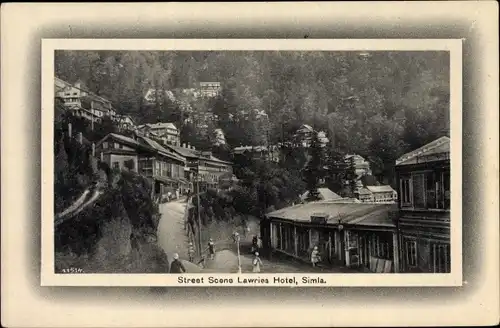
x,y
117,145
105,145
410,253
440,255
405,191
426,190
418,190
446,189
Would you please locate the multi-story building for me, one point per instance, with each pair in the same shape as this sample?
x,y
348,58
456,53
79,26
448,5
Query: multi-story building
x,y
166,131
76,97
203,165
164,167
210,89
361,165
264,153
143,155
153,96
423,177
377,194
305,134
124,122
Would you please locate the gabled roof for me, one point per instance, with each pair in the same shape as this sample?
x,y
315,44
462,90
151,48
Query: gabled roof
x,y
167,125
191,153
364,191
120,138
439,149
324,194
162,150
305,128
362,214
383,188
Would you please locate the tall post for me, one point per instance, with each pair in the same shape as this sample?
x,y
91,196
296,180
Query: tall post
x,y
92,114
69,130
199,216
239,259
395,252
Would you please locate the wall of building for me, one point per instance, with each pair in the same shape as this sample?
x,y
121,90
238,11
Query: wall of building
x,y
118,161
424,224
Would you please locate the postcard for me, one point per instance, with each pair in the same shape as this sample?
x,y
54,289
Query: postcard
x,y
236,162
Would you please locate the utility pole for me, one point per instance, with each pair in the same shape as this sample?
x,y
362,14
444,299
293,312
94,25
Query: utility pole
x,y
92,114
238,246
198,210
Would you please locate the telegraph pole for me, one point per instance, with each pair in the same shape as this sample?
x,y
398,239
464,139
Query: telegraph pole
x,y
198,210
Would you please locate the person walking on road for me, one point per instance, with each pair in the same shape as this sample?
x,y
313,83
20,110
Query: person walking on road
x,y
191,252
259,242
315,258
257,263
176,266
211,248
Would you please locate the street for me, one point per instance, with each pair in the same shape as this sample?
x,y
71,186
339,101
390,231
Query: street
x,y
171,234
172,238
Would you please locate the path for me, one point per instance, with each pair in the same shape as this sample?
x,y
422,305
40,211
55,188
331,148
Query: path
x,y
171,234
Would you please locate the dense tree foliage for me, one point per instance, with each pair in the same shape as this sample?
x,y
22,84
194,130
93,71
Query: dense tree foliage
x,y
377,104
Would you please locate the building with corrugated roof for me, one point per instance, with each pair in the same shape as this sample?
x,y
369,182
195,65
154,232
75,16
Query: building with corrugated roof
x,y
346,233
167,131
423,177
324,194
202,165
145,156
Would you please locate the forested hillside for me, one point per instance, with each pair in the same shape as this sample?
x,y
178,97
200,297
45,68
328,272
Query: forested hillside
x,y
377,104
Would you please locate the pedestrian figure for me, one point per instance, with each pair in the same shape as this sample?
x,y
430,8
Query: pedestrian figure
x,y
256,263
254,244
176,266
259,243
191,252
211,248
235,236
315,258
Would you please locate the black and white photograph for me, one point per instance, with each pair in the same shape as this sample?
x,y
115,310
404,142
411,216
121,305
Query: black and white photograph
x,y
241,164
252,162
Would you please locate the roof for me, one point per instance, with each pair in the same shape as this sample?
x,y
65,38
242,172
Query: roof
x,y
185,151
383,188
192,153
325,194
364,214
306,127
121,138
242,149
167,125
364,191
427,153
152,143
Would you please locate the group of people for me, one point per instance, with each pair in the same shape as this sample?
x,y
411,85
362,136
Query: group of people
x,y
177,267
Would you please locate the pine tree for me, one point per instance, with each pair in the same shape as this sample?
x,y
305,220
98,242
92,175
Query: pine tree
x,y
351,176
313,171
336,168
